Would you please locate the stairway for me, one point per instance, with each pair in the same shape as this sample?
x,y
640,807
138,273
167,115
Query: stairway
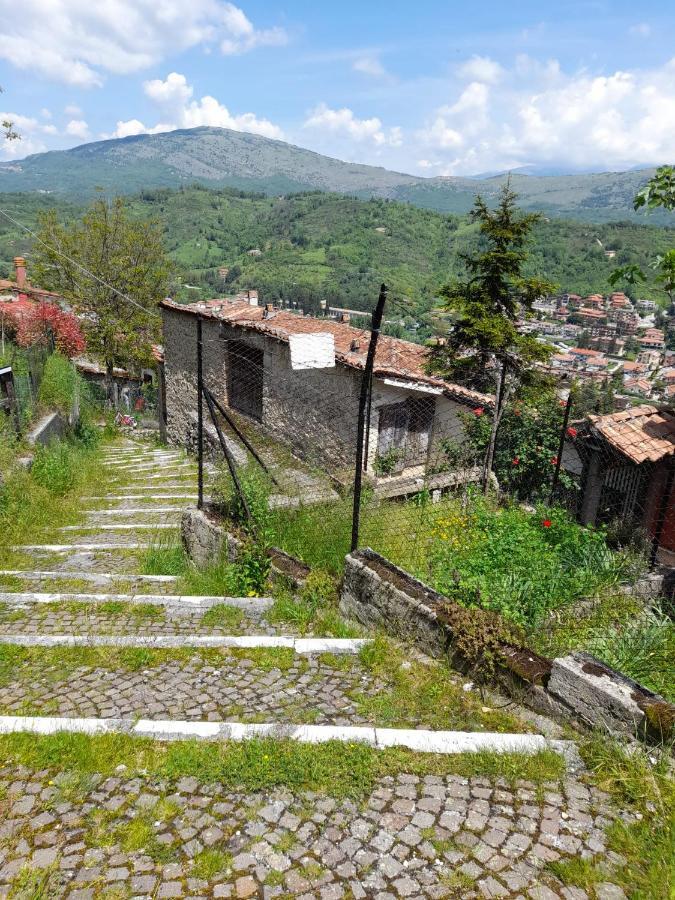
x,y
99,646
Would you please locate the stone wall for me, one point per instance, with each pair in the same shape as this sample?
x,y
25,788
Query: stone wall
x,y
51,427
578,687
313,411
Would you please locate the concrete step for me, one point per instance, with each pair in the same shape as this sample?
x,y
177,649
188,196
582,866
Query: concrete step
x,y
120,526
420,740
134,510
112,498
246,604
303,646
80,547
38,575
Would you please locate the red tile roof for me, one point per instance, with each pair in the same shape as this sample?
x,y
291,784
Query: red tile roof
x,y
37,293
394,357
643,433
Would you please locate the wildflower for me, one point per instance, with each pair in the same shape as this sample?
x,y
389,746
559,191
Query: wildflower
x,y
571,432
554,460
478,411
252,594
562,402
515,460
546,523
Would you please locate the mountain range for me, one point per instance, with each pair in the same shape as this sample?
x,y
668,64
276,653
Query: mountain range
x,y
220,157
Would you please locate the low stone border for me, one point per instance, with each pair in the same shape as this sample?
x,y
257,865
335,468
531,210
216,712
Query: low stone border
x,y
301,646
420,740
207,540
173,601
381,596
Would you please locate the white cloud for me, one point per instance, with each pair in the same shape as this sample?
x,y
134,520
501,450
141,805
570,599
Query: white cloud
x,y
30,130
481,68
77,41
173,97
343,121
73,111
642,29
538,114
78,128
369,65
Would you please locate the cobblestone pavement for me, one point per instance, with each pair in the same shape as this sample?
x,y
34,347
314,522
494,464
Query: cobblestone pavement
x,y
428,837
234,688
154,620
68,835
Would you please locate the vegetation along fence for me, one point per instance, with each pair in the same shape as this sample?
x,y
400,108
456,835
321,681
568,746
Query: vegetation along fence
x,y
342,446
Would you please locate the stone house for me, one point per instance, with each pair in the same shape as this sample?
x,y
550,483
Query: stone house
x,y
297,378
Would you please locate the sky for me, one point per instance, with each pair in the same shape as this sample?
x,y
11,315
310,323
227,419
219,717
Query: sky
x,y
430,88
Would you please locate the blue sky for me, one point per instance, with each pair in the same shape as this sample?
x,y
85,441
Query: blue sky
x,y
434,88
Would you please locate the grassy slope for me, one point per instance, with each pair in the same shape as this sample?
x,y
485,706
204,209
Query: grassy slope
x,y
327,246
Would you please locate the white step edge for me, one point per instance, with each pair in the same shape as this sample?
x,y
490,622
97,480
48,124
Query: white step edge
x,y
115,497
23,598
424,741
68,548
304,646
154,478
133,510
36,574
153,467
126,526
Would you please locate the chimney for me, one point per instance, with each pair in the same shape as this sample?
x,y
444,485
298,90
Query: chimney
x,y
355,345
20,268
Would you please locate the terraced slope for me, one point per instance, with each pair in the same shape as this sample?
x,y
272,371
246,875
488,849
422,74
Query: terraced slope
x,y
159,744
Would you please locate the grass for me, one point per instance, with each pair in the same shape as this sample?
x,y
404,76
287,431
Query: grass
x,y
417,695
618,630
223,616
59,663
209,863
165,556
339,769
641,781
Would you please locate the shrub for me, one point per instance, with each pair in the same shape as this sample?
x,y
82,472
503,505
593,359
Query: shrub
x,y
47,322
54,468
59,384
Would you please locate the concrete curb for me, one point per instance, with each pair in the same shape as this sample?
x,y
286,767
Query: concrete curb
x,y
440,742
303,646
252,604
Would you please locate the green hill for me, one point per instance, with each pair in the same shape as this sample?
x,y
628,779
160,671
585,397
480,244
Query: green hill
x,y
219,157
320,246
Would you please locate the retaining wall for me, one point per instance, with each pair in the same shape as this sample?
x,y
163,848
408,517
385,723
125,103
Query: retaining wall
x,y
579,687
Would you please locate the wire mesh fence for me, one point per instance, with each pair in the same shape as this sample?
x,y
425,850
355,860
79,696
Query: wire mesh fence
x,y
323,455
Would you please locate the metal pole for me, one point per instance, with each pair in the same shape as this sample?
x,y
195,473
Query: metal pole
x,y
363,402
230,459
561,447
240,434
663,512
200,417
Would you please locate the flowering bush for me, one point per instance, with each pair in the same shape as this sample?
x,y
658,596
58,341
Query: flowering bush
x,y
37,325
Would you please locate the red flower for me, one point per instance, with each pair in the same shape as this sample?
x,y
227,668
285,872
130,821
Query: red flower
x,y
515,460
554,460
478,411
546,523
562,402
571,432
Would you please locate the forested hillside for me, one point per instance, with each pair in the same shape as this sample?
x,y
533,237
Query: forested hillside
x,y
321,246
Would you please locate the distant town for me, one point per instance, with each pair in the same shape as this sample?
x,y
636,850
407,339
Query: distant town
x,y
608,338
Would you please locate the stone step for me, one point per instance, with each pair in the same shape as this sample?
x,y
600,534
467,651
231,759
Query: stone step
x,y
420,740
120,526
159,477
112,498
152,467
37,575
133,510
72,548
302,646
23,598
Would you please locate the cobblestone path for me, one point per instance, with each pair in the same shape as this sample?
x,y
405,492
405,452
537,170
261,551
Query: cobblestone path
x,y
69,832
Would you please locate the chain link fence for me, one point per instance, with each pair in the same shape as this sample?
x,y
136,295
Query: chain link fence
x,y
320,458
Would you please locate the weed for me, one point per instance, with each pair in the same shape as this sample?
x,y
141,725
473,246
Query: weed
x,y
209,863
223,616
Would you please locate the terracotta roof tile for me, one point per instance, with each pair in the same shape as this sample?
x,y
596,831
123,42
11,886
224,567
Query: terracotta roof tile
x,y
394,357
643,433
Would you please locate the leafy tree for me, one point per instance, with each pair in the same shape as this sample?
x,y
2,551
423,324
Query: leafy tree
x,y
114,271
484,346
658,192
